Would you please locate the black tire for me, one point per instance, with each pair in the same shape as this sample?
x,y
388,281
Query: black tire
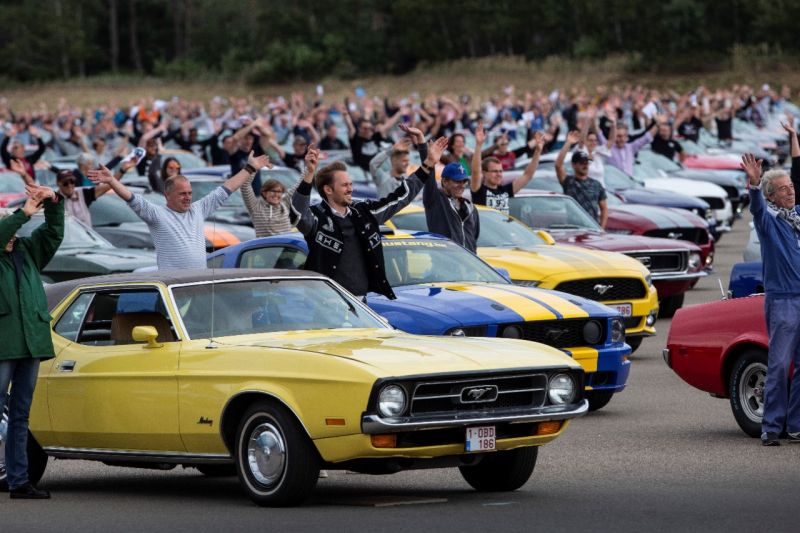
x,y
746,390
37,459
501,471
669,305
217,470
634,342
287,472
598,398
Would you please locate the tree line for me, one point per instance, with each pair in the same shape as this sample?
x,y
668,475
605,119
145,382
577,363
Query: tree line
x,y
264,41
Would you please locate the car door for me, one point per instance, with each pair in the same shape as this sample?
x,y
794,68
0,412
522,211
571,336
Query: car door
x,y
104,390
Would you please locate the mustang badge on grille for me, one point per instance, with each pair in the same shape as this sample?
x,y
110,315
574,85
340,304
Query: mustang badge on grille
x,y
483,393
646,261
674,235
553,334
602,289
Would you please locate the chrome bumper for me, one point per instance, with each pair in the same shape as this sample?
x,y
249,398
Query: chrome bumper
x,y
677,276
371,424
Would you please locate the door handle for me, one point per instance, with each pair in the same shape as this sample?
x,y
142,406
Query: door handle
x,y
66,366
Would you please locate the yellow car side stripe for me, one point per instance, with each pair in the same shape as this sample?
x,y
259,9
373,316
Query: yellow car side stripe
x,y
527,309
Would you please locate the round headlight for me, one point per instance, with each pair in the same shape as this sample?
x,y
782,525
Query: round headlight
x,y
695,262
512,332
617,330
392,401
592,332
561,389
457,332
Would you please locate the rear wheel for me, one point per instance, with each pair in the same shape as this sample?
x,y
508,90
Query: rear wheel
x,y
37,459
501,471
634,342
277,463
598,398
669,305
746,390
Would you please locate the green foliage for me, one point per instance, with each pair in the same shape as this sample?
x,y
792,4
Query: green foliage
x,y
281,40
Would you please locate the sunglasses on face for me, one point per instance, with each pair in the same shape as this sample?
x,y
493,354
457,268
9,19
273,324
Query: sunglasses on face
x,y
274,191
67,183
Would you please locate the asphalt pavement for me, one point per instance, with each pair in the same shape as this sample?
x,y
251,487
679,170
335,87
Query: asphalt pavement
x,y
661,456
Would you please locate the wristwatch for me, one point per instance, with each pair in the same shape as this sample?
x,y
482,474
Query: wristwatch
x,y
250,168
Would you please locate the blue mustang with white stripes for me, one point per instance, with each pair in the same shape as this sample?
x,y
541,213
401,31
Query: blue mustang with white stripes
x,y
442,289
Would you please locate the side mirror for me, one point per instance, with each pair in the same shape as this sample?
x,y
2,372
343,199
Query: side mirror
x,y
546,237
147,334
503,272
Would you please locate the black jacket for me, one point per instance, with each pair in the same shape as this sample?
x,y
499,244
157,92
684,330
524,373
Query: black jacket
x,y
323,235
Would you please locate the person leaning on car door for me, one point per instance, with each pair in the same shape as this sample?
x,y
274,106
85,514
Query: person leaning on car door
x,y
25,323
777,221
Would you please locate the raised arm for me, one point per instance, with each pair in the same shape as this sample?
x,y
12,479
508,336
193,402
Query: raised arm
x,y
477,175
572,137
103,176
301,214
348,119
254,164
530,170
795,154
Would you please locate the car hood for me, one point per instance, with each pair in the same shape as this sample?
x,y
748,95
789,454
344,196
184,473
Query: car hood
x,y
720,177
612,242
102,260
663,198
647,218
541,262
489,303
692,187
394,353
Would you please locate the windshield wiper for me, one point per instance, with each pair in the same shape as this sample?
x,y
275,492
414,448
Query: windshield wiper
x,y
564,226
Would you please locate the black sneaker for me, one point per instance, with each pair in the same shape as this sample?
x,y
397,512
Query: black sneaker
x,y
793,437
770,439
29,492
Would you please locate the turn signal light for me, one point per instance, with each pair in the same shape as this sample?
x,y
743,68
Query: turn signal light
x,y
335,422
548,428
384,441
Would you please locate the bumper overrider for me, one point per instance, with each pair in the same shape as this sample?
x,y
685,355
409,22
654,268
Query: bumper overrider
x,y
474,399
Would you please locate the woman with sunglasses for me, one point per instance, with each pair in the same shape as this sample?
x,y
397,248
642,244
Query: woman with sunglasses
x,y
270,212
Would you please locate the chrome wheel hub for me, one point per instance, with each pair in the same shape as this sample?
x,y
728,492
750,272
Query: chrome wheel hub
x,y
751,390
266,454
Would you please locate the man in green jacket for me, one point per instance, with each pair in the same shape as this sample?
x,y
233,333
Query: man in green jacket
x,y
25,325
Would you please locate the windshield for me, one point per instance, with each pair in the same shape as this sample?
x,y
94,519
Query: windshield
x,y
499,230
287,176
411,262
658,161
201,189
76,234
111,210
11,182
551,212
260,306
617,179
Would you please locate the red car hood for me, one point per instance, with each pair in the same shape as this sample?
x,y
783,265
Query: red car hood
x,y
641,219
611,242
717,162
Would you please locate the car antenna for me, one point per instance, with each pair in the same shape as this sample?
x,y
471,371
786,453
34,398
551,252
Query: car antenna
x,y
722,290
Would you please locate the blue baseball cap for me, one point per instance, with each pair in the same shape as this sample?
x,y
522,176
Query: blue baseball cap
x,y
455,172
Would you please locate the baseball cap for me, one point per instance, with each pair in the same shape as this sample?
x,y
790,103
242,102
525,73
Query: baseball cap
x,y
455,172
579,156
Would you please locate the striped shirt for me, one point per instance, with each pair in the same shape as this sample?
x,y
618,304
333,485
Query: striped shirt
x,y
268,219
179,237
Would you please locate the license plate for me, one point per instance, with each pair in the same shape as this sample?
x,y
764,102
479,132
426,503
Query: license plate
x,y
623,309
480,439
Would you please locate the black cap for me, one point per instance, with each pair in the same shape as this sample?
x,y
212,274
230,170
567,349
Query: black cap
x,y
579,156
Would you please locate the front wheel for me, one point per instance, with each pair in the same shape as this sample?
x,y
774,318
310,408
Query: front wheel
x,y
37,459
746,390
634,342
501,471
276,461
668,306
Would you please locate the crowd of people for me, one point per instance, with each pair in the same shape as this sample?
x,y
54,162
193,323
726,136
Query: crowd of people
x,y
604,127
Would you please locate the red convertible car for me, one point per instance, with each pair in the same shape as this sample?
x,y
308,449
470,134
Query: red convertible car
x,y
721,348
675,265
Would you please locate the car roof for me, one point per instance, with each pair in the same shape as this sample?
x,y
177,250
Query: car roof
x,y
56,292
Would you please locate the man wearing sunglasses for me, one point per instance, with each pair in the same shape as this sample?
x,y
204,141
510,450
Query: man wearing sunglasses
x,y
589,193
78,199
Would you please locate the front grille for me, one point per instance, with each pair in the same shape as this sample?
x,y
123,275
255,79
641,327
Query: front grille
x,y
445,396
561,333
615,288
632,322
475,331
662,261
695,235
714,202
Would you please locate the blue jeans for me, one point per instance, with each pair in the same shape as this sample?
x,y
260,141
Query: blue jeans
x,y
782,402
21,374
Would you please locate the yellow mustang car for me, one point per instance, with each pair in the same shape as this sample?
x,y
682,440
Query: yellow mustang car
x,y
532,258
275,374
